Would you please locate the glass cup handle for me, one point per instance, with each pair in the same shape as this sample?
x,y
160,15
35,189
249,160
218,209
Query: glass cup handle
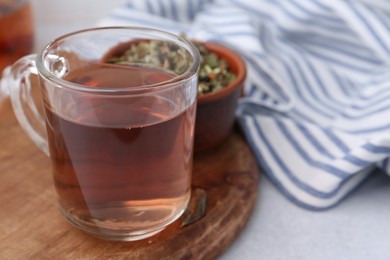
x,y
18,77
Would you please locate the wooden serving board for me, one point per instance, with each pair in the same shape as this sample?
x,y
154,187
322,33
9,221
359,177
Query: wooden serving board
x,y
31,226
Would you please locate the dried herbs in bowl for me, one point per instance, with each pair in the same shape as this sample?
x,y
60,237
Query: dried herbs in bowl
x,y
214,72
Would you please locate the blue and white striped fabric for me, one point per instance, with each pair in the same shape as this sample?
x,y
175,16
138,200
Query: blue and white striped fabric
x,y
317,105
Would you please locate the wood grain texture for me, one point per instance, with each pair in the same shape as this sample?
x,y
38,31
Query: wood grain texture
x,y
31,226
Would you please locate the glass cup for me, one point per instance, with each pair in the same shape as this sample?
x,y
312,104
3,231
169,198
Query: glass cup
x,y
119,136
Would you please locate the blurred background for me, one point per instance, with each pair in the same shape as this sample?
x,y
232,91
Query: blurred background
x,y
56,17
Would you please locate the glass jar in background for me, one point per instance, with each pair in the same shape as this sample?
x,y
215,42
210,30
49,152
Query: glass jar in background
x,y
16,31
16,35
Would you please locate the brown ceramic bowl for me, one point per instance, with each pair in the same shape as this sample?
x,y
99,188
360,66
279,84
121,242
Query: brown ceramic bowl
x,y
216,111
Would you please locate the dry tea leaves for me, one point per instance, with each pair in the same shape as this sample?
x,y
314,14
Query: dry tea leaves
x,y
159,53
214,72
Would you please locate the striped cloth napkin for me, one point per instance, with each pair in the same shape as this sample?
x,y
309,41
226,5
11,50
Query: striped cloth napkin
x,y
316,110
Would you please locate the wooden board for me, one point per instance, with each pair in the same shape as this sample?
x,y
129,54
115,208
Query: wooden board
x,y
31,226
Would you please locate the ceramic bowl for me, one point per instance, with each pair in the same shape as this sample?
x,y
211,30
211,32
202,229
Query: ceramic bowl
x,y
215,113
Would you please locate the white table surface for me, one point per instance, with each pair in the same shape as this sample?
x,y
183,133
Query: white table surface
x,y
357,228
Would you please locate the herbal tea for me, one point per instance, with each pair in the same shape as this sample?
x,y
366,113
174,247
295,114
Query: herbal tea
x,y
16,31
124,163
